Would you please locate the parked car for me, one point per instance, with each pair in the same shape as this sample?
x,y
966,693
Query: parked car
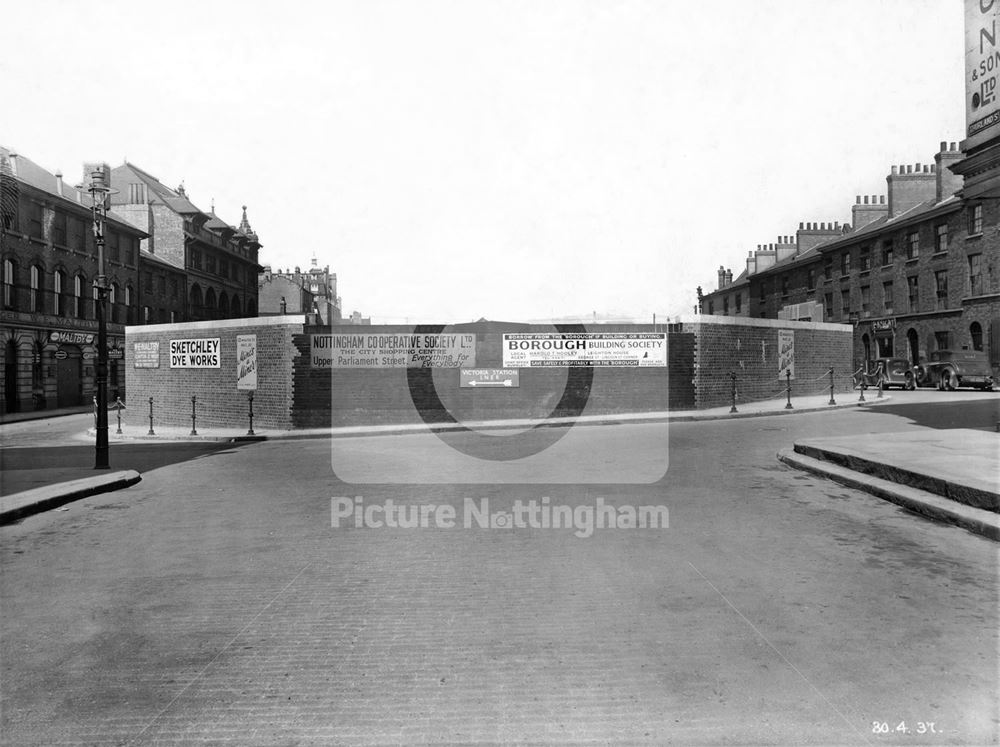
x,y
892,372
951,369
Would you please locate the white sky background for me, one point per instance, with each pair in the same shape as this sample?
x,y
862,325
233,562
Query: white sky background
x,y
457,159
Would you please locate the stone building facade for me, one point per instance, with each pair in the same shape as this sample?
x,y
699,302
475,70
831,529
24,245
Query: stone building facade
x,y
48,325
213,264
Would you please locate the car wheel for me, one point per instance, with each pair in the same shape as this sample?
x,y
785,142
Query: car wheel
x,y
921,376
909,385
950,379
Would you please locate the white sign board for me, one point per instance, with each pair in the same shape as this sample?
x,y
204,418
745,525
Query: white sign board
x,y
393,350
196,353
982,70
246,362
786,353
484,378
525,350
146,354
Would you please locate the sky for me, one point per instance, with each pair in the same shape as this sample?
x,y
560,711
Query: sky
x,y
513,160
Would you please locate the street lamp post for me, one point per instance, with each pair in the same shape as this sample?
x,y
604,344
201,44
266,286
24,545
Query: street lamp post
x,y
100,191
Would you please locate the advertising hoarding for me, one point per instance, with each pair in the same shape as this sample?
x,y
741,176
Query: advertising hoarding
x,y
393,350
642,349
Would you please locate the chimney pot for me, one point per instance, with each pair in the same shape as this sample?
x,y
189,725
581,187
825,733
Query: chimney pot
x,y
881,199
800,225
954,146
866,199
895,169
857,200
944,145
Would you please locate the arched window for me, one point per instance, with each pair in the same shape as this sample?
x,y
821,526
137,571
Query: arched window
x,y
129,316
196,302
35,289
866,343
78,298
210,303
976,333
251,308
113,302
223,305
9,276
234,306
58,289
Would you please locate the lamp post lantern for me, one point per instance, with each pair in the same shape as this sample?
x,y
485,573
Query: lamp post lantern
x,y
100,192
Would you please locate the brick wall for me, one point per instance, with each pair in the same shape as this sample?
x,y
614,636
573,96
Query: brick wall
x,y
219,403
291,394
749,347
354,396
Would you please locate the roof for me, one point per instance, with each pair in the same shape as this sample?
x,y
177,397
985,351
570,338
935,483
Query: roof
x,y
30,173
146,256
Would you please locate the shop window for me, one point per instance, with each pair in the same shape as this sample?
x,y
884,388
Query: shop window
x,y
942,340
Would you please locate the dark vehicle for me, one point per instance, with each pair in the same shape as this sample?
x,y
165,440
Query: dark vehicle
x,y
892,372
951,369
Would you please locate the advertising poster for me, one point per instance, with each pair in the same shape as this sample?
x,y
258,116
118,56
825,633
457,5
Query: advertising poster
x,y
246,362
393,350
585,349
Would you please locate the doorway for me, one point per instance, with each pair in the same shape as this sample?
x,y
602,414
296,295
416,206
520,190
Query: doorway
x,y
69,377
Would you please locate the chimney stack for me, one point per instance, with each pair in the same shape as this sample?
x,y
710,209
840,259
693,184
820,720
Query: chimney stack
x,y
59,183
814,234
729,277
909,187
948,183
722,277
12,158
751,263
871,209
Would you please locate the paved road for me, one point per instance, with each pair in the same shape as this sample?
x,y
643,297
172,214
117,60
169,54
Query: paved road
x,y
214,602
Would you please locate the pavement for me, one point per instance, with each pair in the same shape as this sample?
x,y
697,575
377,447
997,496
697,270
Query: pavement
x,y
947,476
216,603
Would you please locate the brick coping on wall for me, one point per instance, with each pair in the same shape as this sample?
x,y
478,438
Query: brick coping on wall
x,y
747,321
250,321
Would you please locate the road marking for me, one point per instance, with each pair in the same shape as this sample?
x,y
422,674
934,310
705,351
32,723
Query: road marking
x,y
221,652
783,657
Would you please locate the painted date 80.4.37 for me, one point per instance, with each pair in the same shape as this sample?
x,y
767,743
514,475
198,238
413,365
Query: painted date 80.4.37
x,y
922,727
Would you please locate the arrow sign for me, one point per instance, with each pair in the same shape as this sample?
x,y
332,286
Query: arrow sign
x,y
489,377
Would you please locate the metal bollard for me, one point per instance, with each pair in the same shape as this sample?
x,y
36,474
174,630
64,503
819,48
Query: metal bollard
x,y
864,385
788,391
832,400
150,418
194,401
733,375
118,408
95,412
881,381
250,401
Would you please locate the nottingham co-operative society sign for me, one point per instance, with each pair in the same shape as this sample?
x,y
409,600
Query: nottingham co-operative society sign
x,y
393,350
